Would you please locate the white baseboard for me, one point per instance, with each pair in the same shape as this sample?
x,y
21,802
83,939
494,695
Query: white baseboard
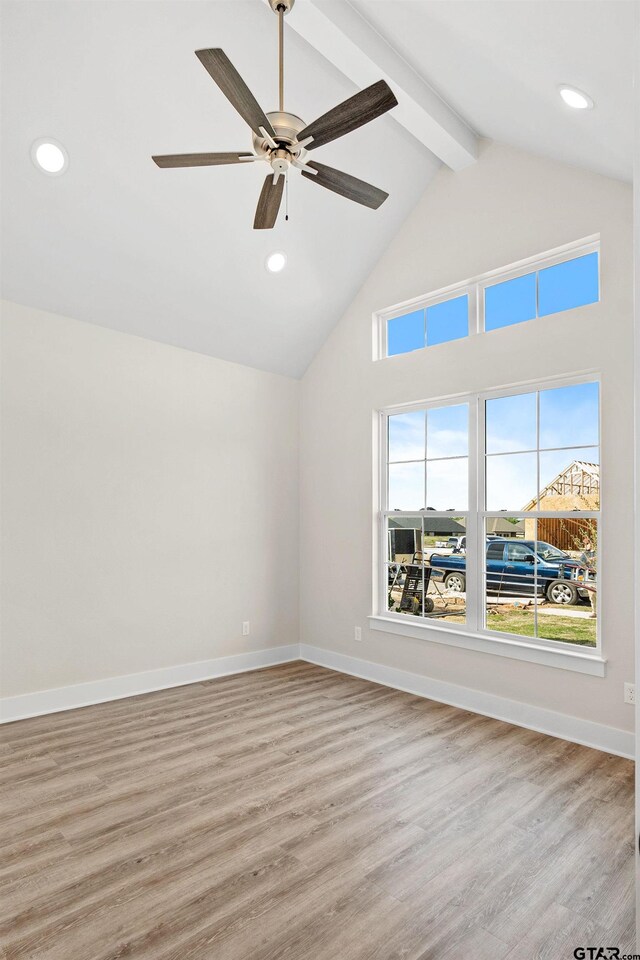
x,y
116,688
586,732
590,734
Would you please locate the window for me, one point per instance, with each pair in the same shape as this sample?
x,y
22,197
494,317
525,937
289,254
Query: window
x,y
542,465
572,283
510,302
427,466
405,333
495,551
448,320
439,323
500,535
517,551
539,287
427,474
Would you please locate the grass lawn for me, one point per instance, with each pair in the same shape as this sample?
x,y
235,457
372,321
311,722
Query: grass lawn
x,y
569,629
518,620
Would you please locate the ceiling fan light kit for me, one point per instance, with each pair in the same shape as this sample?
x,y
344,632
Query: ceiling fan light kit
x,y
282,139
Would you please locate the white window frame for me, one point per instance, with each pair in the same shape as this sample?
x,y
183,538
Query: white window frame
x,y
473,633
475,288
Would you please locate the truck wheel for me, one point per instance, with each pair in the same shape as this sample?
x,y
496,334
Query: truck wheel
x,y
428,605
455,582
562,591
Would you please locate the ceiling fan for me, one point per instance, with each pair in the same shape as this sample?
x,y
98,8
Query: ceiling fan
x,y
283,139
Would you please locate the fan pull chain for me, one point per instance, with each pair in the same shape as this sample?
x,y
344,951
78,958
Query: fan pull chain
x,y
286,196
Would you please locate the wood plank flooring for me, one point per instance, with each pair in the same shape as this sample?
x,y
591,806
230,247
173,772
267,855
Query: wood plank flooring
x,y
294,813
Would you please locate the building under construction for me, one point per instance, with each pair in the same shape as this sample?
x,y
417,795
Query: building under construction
x,y
575,488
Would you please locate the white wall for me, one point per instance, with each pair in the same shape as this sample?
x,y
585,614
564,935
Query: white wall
x,y
151,494
150,505
508,206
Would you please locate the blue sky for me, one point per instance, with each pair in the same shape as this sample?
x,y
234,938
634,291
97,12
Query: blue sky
x,y
405,333
570,284
446,437
446,433
448,321
568,417
438,324
510,302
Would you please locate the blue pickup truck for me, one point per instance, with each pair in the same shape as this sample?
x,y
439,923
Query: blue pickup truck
x,y
518,568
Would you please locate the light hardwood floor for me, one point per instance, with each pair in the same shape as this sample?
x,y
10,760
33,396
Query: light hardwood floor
x,y
295,813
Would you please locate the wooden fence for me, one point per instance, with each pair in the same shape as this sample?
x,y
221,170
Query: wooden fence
x,y
566,533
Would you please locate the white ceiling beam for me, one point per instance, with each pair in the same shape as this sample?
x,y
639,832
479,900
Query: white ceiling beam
x,y
352,45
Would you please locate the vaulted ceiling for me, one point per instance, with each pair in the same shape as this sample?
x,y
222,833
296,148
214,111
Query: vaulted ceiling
x,y
171,254
499,64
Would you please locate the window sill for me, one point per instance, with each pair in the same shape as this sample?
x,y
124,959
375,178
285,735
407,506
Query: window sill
x,y
590,663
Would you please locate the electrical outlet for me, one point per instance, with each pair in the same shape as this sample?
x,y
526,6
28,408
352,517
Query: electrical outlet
x,y
358,634
629,693
246,626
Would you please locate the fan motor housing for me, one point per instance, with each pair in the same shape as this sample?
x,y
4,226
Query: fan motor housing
x,y
287,126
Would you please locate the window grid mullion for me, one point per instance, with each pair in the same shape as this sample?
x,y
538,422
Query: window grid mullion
x,y
472,601
383,481
479,521
426,421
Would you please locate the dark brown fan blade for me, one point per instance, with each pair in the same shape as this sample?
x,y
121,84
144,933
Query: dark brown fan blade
x,y
353,113
220,68
346,185
198,159
269,203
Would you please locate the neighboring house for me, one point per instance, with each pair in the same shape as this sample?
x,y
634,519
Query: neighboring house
x,y
575,488
433,526
502,527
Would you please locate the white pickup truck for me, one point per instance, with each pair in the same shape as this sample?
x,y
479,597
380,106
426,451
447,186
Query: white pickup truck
x,y
459,544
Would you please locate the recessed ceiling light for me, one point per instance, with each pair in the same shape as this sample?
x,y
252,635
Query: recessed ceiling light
x,y
575,98
276,262
49,156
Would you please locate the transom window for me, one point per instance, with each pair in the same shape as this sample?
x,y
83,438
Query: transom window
x,y
428,326
498,532
572,283
550,284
